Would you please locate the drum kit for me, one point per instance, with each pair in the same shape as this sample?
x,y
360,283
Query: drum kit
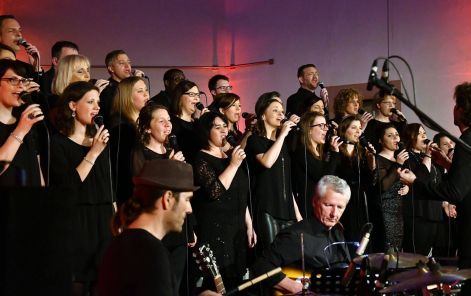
x,y
391,274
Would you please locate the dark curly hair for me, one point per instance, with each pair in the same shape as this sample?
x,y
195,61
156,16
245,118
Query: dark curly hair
x,y
205,124
344,97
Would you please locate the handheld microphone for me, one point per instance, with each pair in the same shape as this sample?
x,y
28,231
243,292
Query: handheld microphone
x,y
295,128
199,106
231,140
385,71
399,116
98,121
400,146
373,75
27,100
133,73
25,44
173,142
364,142
426,141
345,141
347,278
361,111
247,115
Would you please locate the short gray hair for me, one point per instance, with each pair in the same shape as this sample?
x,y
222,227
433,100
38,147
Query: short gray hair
x,y
333,182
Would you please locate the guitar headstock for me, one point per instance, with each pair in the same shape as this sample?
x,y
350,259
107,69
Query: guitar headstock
x,y
205,259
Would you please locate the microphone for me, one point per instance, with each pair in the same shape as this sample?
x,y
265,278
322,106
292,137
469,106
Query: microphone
x,y
247,115
347,278
384,268
98,121
173,143
25,44
345,141
26,97
385,71
373,75
400,146
231,140
133,73
361,111
295,128
399,116
364,142
326,101
426,141
199,106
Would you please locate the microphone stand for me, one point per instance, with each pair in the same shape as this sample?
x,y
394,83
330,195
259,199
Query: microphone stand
x,y
426,120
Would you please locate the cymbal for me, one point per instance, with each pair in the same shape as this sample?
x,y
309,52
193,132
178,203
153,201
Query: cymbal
x,y
419,271
426,279
396,260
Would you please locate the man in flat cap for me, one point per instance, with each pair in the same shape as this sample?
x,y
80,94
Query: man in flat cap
x,y
137,262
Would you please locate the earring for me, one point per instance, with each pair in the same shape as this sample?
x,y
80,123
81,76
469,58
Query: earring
x,y
73,113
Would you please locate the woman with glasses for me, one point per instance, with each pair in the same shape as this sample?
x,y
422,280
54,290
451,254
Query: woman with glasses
x,y
19,159
183,109
313,158
79,162
356,166
153,128
274,203
388,214
220,205
384,104
131,96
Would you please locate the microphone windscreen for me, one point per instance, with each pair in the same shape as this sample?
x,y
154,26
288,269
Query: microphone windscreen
x,y
246,115
98,120
173,142
321,85
426,141
199,106
361,111
394,110
231,140
22,42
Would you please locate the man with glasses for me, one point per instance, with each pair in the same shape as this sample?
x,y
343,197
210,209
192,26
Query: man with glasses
x,y
308,77
218,84
320,233
119,67
384,115
171,78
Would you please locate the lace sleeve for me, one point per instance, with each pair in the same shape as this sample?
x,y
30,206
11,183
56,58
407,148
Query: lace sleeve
x,y
209,181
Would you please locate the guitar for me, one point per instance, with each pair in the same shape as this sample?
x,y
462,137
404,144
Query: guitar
x,y
207,262
295,274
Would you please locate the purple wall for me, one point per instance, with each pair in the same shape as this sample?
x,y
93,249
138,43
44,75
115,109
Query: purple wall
x,y
341,37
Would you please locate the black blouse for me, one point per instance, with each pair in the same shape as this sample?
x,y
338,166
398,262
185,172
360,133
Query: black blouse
x,y
187,137
273,192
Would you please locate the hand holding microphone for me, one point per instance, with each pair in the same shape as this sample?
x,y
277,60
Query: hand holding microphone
x,y
400,116
33,53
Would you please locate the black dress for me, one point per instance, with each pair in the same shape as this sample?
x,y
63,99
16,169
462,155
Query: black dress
x,y
136,263
123,138
187,137
354,170
316,169
94,208
24,167
390,202
220,213
272,191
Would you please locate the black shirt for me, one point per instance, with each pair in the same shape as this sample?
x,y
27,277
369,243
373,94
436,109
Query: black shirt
x,y
136,263
162,98
272,193
286,249
106,100
297,100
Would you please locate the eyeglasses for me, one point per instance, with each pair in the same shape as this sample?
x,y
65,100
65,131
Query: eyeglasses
x,y
389,103
192,94
321,125
225,88
15,80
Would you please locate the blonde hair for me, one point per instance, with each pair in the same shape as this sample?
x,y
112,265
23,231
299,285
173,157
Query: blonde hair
x,y
65,69
123,98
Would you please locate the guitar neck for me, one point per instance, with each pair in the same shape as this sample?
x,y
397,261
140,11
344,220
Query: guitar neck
x,y
219,284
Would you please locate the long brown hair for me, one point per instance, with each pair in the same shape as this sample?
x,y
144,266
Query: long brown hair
x,y
305,123
122,102
343,126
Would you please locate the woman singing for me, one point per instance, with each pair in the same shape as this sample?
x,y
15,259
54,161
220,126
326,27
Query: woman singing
x,y
274,202
79,160
391,190
311,159
17,146
220,206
